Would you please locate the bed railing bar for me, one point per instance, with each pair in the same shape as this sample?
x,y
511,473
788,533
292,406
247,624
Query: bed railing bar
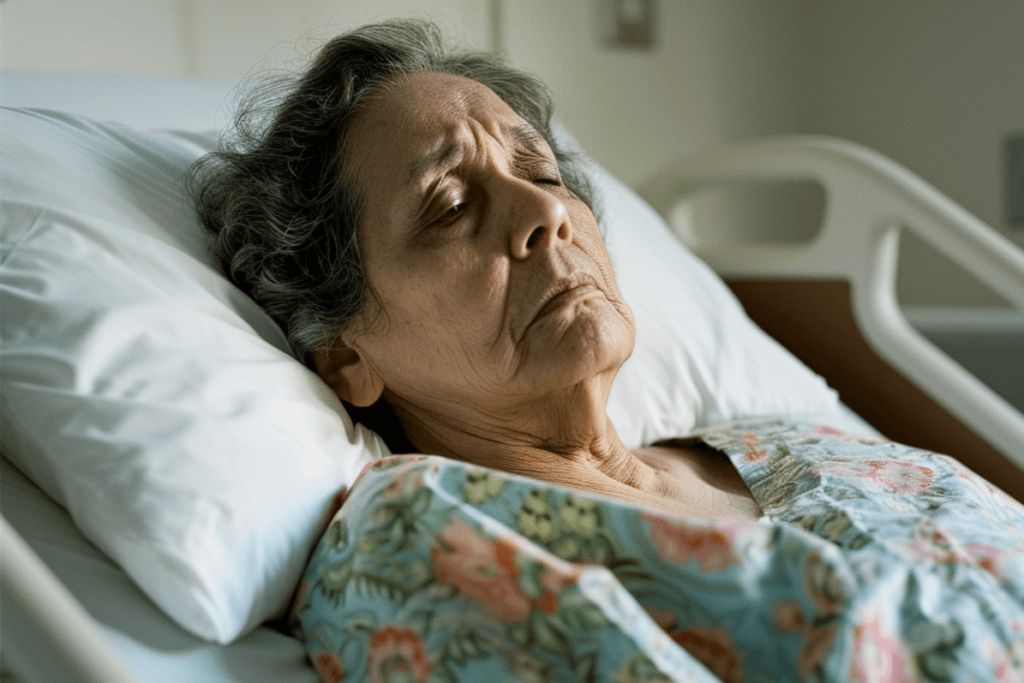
x,y
944,224
870,199
36,605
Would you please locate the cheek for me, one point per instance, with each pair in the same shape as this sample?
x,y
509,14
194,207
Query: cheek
x,y
440,300
464,283
588,238
428,348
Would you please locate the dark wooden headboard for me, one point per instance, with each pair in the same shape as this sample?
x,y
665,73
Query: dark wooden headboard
x,y
814,320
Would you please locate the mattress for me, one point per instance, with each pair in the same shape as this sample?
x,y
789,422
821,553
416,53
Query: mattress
x,y
154,647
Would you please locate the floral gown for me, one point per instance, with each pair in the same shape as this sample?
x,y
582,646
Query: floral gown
x,y
873,562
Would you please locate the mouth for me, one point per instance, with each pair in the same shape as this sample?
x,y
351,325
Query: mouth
x,y
563,292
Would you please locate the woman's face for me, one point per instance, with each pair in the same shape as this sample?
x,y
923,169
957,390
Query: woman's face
x,y
492,284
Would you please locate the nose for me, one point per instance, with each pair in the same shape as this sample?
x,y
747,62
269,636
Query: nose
x,y
537,218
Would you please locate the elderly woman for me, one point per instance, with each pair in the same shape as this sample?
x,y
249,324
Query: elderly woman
x,y
408,204
406,215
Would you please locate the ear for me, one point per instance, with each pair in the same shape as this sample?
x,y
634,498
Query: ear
x,y
348,375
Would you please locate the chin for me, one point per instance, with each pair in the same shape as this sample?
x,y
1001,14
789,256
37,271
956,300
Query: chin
x,y
586,347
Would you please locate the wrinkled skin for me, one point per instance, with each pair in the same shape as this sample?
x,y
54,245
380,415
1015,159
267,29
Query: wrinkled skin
x,y
496,327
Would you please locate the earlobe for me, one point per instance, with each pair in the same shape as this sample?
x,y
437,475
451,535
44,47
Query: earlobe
x,y
348,375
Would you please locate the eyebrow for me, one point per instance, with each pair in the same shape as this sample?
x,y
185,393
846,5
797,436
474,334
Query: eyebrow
x,y
522,135
435,159
525,136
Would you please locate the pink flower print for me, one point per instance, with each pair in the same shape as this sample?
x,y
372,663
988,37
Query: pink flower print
x,y
679,542
329,667
901,477
993,560
481,569
845,468
878,656
928,544
840,435
488,572
897,477
1008,664
754,454
404,484
397,655
932,544
715,650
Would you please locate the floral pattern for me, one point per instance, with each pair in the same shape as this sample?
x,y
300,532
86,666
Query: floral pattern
x,y
396,656
679,542
874,562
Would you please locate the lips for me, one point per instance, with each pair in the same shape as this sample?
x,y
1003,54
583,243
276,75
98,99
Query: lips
x,y
560,293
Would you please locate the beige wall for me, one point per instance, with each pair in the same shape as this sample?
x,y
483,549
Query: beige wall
x,y
226,38
116,36
936,85
720,69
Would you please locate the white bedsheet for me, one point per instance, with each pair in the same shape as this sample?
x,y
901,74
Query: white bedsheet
x,y
155,648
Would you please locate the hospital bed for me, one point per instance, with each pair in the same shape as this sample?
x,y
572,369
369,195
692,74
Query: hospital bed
x,y
154,529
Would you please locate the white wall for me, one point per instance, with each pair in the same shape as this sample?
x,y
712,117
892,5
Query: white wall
x,y
232,37
936,85
225,38
719,69
117,36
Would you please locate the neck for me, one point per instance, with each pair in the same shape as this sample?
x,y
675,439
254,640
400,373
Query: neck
x,y
566,439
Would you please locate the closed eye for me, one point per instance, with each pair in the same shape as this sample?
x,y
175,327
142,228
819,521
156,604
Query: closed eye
x,y
539,171
452,213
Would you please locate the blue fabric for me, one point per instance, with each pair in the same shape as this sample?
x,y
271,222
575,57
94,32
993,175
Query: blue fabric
x,y
874,562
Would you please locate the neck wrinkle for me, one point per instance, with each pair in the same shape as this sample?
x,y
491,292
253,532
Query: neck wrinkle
x,y
565,436
596,460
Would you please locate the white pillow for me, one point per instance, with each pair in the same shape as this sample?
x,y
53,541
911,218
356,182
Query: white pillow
x,y
151,645
144,392
698,358
159,405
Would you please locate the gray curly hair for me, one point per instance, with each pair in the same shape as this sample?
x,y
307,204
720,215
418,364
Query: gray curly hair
x,y
276,194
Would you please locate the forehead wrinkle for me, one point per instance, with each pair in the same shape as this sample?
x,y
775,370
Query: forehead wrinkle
x,y
443,103
438,158
524,135
449,98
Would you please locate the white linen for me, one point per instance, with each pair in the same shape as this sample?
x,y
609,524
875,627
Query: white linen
x,y
143,391
153,646
158,404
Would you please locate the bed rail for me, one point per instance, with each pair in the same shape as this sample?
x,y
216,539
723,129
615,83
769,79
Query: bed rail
x,y
37,606
869,200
